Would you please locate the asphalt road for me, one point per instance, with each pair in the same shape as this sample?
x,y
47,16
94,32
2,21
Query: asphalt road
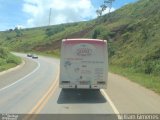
x,y
33,80
33,88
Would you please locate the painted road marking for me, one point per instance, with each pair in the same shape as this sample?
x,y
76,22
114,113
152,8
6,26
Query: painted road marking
x,y
40,105
43,101
21,79
110,102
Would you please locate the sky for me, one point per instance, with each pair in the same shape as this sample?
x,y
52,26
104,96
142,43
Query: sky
x,y
35,13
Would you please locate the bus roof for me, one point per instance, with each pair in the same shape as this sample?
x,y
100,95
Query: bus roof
x,y
81,39
84,40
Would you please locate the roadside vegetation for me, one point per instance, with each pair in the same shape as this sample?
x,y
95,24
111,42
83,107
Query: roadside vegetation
x,y
134,42
7,60
133,34
150,81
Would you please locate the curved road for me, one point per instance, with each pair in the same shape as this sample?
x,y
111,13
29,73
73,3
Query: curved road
x,y
33,88
32,81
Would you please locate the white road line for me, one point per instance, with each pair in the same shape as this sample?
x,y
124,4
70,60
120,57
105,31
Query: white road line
x,y
22,78
110,102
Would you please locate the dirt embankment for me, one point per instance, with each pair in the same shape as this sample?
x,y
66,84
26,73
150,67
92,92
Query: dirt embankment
x,y
56,44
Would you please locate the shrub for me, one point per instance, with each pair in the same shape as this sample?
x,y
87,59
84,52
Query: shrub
x,y
100,32
13,59
54,30
148,68
3,52
2,61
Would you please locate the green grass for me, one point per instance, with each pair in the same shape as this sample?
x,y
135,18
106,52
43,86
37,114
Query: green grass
x,y
8,60
30,39
7,66
149,81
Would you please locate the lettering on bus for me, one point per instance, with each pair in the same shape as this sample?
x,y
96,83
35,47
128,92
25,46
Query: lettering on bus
x,y
84,52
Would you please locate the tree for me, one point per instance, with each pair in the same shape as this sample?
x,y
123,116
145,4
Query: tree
x,y
10,30
99,12
49,32
108,3
96,33
104,6
18,32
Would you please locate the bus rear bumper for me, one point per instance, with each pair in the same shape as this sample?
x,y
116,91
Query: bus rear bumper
x,y
83,86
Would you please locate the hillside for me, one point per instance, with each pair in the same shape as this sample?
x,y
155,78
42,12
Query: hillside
x,y
132,33
7,60
42,38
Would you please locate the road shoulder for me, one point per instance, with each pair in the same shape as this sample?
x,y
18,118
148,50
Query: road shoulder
x,y
14,68
130,97
12,75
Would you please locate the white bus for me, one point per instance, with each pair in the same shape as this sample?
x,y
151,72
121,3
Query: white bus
x,y
83,64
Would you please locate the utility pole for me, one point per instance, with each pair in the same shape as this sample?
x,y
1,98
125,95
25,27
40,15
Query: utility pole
x,y
49,16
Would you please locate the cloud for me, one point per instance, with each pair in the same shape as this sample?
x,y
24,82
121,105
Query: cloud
x,y
126,3
107,10
62,11
20,26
